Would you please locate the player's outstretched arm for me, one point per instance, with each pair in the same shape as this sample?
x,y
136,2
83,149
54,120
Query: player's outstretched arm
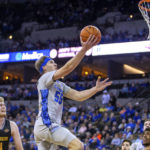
x,y
16,136
84,95
73,63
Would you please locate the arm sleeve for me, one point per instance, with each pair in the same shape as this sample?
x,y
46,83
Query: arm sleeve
x,y
66,88
47,78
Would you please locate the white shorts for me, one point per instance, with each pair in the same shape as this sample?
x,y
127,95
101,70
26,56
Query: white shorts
x,y
47,139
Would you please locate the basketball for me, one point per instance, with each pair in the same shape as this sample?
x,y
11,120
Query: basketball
x,y
87,31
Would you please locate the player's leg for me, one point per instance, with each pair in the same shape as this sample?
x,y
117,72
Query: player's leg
x,y
41,136
64,137
76,144
53,147
61,136
43,145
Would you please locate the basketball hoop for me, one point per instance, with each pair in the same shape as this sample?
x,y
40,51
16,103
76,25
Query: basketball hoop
x,y
144,7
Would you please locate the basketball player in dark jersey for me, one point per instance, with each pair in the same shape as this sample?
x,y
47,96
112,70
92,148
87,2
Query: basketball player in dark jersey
x,y
7,129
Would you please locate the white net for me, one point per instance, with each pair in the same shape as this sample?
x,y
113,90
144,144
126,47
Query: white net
x,y
144,7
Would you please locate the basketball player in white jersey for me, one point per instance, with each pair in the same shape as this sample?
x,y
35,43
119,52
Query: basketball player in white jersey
x,y
48,131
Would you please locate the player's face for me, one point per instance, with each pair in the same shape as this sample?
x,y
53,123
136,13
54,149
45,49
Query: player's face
x,y
51,66
146,138
146,125
125,146
2,109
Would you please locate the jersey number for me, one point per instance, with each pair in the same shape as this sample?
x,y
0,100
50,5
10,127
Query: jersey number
x,y
58,97
1,146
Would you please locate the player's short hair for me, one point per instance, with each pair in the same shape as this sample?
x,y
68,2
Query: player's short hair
x,y
146,120
126,140
39,62
1,99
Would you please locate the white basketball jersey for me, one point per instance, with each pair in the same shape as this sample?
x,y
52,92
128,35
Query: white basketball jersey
x,y
50,98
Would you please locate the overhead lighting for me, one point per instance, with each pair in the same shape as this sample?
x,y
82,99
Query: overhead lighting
x,y
10,37
131,16
86,73
130,69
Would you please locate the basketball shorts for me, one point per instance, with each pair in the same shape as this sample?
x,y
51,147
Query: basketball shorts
x,y
47,138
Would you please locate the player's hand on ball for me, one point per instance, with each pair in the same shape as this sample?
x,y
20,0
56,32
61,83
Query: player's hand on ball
x,y
101,85
92,41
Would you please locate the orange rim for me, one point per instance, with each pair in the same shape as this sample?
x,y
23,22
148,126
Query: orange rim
x,y
143,8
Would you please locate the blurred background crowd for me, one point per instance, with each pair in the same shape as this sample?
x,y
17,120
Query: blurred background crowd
x,y
57,14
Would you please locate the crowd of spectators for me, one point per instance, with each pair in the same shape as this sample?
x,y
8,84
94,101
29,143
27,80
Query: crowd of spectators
x,y
22,91
22,45
98,127
57,13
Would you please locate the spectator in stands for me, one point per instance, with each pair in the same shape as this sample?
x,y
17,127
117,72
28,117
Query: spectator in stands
x,y
124,91
132,89
130,123
138,145
126,144
116,140
136,117
122,125
129,110
137,107
128,132
108,138
122,112
102,144
73,109
146,139
91,128
105,118
146,124
82,129
138,127
113,100
94,143
105,98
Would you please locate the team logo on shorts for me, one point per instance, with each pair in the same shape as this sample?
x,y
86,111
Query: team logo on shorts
x,y
6,130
